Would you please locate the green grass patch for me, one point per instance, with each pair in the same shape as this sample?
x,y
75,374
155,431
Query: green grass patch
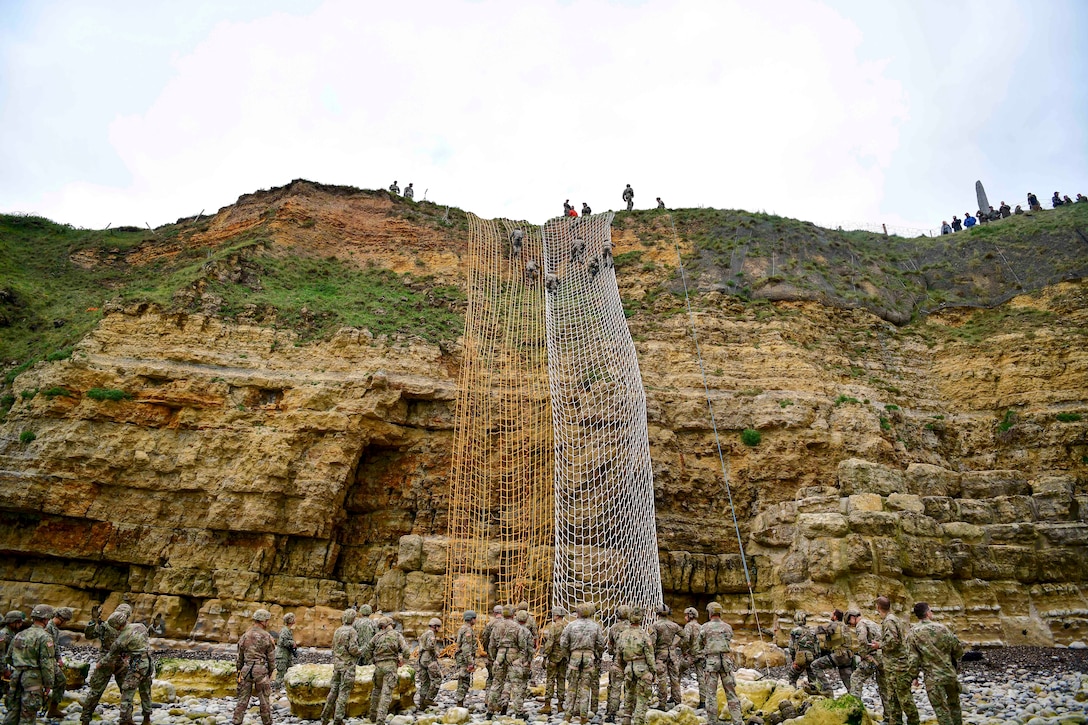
x,y
6,401
27,436
846,399
891,407
62,354
751,437
1069,417
626,259
57,391
111,394
885,424
1007,422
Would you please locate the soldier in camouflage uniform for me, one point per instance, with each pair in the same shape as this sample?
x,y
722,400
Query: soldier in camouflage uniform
x,y
61,616
937,652
530,623
899,666
364,627
345,651
803,650
842,644
615,672
285,650
131,651
868,635
585,642
716,636
388,650
255,663
14,621
485,642
32,658
502,651
106,633
430,674
691,650
666,635
465,657
521,667
555,661
636,658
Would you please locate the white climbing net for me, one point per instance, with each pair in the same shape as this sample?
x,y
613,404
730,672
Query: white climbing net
x,y
605,529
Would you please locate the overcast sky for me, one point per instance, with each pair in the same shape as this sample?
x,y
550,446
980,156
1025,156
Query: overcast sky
x,y
839,111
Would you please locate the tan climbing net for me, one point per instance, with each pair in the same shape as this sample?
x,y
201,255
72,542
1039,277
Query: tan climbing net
x,y
551,489
501,511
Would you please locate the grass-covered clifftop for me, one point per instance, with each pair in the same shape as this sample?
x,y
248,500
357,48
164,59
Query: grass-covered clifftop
x,y
315,258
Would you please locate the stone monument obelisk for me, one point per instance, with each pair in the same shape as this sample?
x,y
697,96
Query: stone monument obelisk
x,y
983,202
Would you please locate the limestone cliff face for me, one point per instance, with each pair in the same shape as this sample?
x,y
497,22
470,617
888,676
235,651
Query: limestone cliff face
x,y
946,460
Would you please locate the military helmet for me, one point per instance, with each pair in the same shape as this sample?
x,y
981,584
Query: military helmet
x,y
435,622
507,611
13,616
497,609
385,622
691,612
559,612
41,611
623,611
366,610
523,605
635,617
664,610
713,608
800,617
522,616
853,613
124,606
469,615
584,610
289,618
118,619
348,616
262,615
64,613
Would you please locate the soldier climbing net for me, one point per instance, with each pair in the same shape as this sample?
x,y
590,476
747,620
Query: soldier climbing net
x,y
551,483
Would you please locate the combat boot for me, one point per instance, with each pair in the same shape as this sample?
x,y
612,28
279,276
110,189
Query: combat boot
x,y
54,713
147,719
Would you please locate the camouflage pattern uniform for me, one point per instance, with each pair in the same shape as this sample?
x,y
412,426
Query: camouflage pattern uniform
x,y
503,651
345,652
868,632
666,633
530,623
585,642
691,651
60,682
521,667
899,669
364,627
555,662
409,192
131,651
387,649
716,636
106,632
937,651
636,655
842,644
485,642
255,662
430,674
13,622
803,650
629,197
615,672
285,652
465,657
32,658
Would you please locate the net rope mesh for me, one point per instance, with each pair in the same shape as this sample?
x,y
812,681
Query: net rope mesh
x,y
501,497
605,529
551,486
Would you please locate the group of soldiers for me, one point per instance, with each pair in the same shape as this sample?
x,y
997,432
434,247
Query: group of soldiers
x,y
574,650
890,652
33,669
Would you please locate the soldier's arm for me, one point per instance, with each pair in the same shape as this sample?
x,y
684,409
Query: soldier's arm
x,y
957,649
354,648
270,653
405,650
46,656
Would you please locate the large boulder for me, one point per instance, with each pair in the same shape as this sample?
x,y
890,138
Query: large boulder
x,y
308,686
75,674
161,691
199,678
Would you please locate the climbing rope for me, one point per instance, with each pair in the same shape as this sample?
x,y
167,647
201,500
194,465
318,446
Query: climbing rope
x,y
714,424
